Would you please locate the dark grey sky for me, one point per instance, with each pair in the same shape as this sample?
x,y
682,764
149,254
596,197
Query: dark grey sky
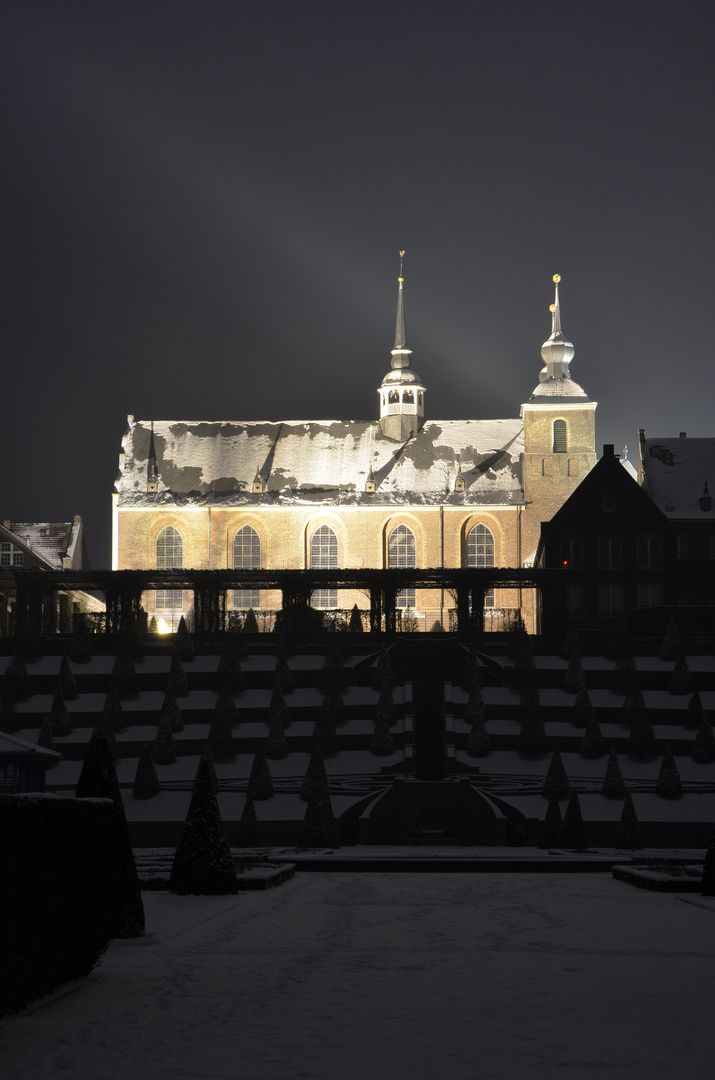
x,y
205,200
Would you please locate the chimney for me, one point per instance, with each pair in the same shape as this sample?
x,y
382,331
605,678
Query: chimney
x,y
608,450
683,435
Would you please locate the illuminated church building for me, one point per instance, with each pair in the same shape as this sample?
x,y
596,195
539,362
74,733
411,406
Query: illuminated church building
x,y
400,490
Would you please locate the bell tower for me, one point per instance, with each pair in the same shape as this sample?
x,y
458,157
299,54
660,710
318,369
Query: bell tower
x,y
559,432
401,393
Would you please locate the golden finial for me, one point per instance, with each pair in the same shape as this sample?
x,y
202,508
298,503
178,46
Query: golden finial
x,y
556,278
402,255
552,308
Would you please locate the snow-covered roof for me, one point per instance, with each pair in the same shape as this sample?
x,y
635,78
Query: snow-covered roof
x,y
320,461
675,472
11,746
51,542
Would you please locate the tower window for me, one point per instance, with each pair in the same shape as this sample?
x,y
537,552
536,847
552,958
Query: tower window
x,y
393,397
419,397
408,397
324,556
246,556
559,431
402,551
169,556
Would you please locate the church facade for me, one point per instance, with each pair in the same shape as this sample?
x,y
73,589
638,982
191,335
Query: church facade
x,y
397,491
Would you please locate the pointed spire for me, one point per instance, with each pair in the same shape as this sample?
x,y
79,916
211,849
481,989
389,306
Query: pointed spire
x,y
400,332
152,472
557,352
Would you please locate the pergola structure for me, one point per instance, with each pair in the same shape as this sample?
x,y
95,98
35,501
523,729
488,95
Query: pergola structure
x,y
36,591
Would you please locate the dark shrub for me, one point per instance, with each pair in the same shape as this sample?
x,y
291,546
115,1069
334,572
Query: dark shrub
x,y
67,681
163,751
315,783
614,786
556,784
571,834
203,864
628,833
146,781
260,782
668,785
704,746
60,721
551,826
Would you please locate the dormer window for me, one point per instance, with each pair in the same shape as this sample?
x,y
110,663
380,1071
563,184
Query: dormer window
x,y
706,502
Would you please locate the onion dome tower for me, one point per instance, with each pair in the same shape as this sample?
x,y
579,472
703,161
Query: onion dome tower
x,y
559,432
402,395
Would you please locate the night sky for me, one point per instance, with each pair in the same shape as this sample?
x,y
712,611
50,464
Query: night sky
x,y
204,203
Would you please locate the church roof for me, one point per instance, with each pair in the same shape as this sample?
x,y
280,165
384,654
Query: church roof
x,y
675,472
306,462
51,543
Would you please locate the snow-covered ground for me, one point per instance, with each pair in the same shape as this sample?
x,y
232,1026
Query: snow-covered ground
x,y
341,976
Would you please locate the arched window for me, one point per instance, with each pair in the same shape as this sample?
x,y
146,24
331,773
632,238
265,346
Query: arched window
x,y
408,397
393,397
401,551
246,556
560,437
324,556
169,556
480,552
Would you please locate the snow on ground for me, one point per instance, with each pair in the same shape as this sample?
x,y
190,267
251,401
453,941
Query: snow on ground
x,y
347,976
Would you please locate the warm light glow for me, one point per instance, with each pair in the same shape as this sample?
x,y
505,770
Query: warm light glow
x,y
162,627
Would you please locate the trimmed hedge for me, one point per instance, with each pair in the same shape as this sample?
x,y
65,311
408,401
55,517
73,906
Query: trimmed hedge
x,y
58,891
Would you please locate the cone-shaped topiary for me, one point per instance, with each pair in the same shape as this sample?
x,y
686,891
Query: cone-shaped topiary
x,y
124,676
203,864
283,675
583,713
470,671
704,746
574,679
571,834
551,826
220,742
334,672
628,833
641,738
249,833
592,745
319,828
672,642
104,727
260,782
381,742
171,711
383,675
146,780
633,708
556,784
250,625
98,780
532,737
707,883
80,651
668,784
524,672
619,644
60,720
315,783
324,734
624,675
153,627
45,739
67,682
177,676
278,710
571,645
163,750
478,744
226,704
385,709
183,642
276,743
681,681
286,637
112,711
614,786
355,622
335,705
229,671
17,680
240,642
694,712
29,642
475,704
